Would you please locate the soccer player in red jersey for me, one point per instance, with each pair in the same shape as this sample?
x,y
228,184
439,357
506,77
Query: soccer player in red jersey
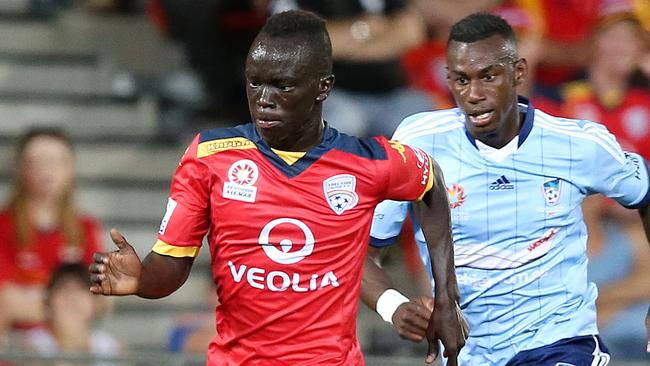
x,y
286,203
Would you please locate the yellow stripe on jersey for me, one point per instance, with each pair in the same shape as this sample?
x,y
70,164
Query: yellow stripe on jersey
x,y
215,146
289,157
163,248
430,181
642,10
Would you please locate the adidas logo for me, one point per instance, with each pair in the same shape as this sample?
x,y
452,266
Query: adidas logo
x,y
501,184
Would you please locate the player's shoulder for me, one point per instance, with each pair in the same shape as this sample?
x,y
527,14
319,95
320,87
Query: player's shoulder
x,y
370,148
429,123
570,127
246,131
583,133
241,137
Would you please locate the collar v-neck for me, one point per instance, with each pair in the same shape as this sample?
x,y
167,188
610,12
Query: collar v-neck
x,y
527,107
299,166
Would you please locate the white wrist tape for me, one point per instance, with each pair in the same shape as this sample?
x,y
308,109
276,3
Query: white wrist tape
x,y
388,302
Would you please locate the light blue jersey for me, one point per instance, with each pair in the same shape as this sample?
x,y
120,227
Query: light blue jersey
x,y
519,236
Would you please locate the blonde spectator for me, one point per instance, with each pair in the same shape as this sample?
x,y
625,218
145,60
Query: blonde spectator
x,y
40,228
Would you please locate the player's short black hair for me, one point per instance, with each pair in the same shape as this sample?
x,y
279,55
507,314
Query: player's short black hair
x,y
478,26
306,25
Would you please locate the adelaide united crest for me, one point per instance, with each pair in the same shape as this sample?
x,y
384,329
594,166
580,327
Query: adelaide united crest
x,y
340,192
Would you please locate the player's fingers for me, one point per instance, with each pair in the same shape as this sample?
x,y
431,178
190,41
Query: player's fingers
x,y
451,359
100,258
432,352
412,336
96,290
97,278
118,239
428,303
97,268
406,330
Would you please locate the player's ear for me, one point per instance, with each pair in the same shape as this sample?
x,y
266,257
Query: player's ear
x,y
325,85
521,71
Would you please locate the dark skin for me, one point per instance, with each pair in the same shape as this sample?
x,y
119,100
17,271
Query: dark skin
x,y
286,85
421,317
483,77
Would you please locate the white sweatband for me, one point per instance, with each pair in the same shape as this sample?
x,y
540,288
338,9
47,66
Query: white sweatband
x,y
388,302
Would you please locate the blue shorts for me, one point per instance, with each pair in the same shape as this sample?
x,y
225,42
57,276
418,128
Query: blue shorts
x,y
577,351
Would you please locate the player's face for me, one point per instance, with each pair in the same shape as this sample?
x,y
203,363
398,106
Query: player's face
x,y
483,77
285,92
46,168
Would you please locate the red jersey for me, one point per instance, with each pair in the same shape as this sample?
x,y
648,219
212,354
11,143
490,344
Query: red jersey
x,y
627,117
33,264
287,241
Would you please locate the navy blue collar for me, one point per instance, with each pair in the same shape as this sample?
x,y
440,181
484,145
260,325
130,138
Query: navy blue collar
x,y
525,129
311,156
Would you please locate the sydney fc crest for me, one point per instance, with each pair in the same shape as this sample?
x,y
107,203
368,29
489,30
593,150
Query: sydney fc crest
x,y
551,190
340,192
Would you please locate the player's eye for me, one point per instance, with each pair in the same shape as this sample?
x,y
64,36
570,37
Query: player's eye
x,y
461,80
253,84
286,88
489,77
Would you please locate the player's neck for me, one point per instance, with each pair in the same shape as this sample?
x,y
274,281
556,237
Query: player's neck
x,y
302,140
503,136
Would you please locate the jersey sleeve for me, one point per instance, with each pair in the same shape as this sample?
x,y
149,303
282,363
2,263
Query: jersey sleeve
x,y
622,176
407,171
387,222
187,217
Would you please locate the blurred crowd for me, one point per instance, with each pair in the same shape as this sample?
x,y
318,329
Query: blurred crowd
x,y
590,60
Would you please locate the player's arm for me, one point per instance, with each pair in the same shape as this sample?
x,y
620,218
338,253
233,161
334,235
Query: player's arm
x,y
409,317
168,265
121,273
447,322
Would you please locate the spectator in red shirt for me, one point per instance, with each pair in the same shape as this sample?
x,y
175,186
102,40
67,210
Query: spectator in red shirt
x,y
40,228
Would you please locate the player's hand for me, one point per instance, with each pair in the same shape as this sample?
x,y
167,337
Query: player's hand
x,y
412,318
448,325
117,272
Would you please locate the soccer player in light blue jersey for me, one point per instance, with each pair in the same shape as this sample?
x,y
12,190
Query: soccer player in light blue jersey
x,y
516,178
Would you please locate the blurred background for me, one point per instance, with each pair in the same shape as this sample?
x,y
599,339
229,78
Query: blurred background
x,y
129,82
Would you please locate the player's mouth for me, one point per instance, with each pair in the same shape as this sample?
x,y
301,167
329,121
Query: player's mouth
x,y
480,118
267,122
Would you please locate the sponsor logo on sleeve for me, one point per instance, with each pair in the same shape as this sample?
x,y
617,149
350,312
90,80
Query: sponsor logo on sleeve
x,y
171,206
242,177
397,146
340,192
